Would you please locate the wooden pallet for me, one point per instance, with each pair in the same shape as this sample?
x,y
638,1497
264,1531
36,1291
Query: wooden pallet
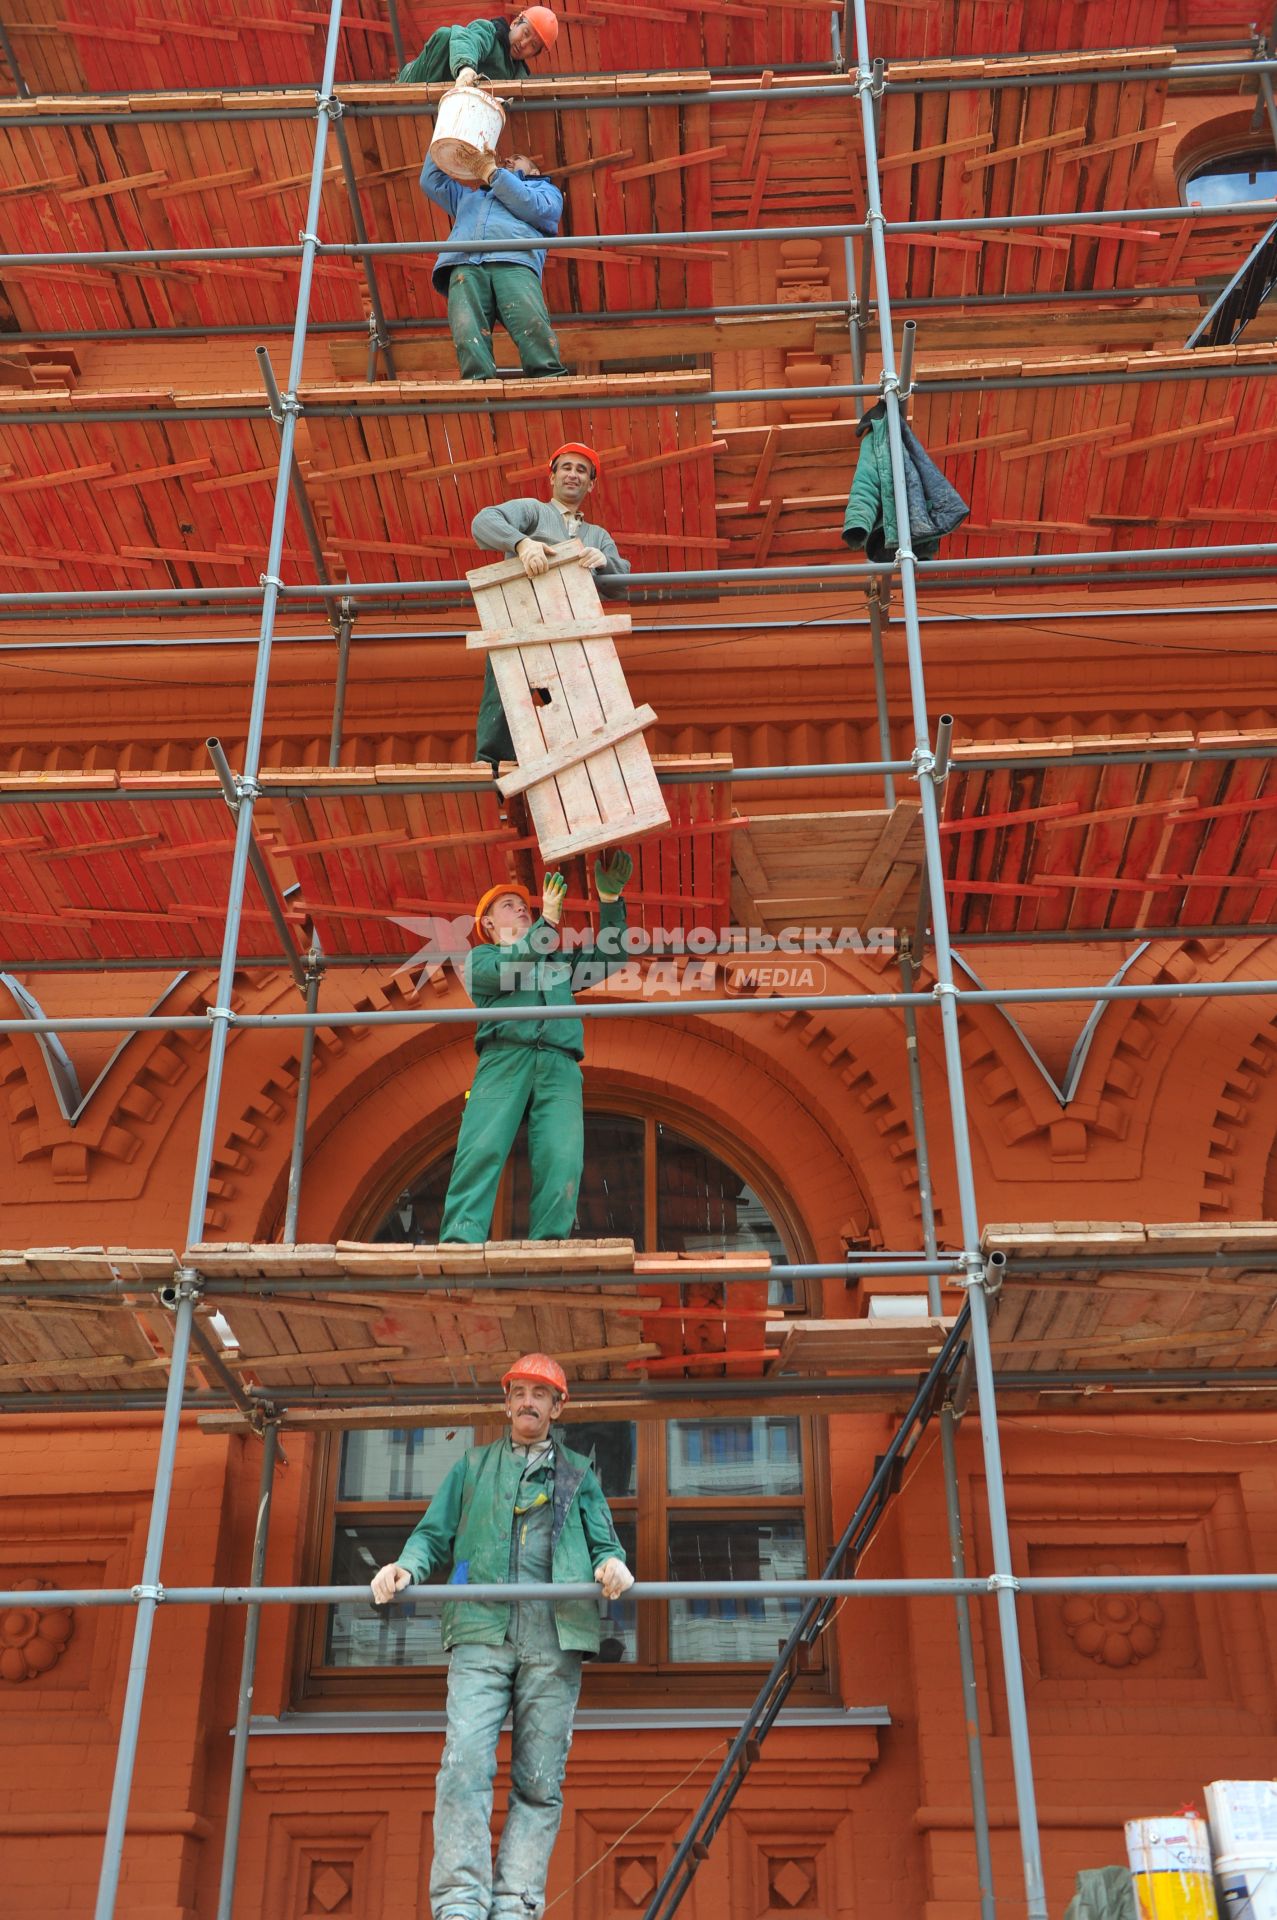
x,y
583,763
829,1347
845,870
1212,1319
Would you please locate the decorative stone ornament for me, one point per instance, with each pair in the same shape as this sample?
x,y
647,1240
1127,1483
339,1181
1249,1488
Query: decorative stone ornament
x,y
1113,1629
32,1640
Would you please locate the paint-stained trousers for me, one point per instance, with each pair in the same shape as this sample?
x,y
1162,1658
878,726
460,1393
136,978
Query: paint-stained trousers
x,y
530,1677
510,1080
478,297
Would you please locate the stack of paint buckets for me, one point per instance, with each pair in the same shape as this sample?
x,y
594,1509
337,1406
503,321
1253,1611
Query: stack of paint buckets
x,y
1171,1868
1243,1825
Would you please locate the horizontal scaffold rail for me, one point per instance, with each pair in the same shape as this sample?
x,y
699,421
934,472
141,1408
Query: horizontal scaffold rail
x,y
542,97
124,258
680,1007
663,1591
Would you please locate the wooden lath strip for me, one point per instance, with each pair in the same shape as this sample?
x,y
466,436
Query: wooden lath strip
x,y
1044,143
1171,437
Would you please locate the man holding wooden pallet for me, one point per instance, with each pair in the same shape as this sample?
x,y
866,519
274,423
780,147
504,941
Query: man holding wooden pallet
x,y
523,1510
522,529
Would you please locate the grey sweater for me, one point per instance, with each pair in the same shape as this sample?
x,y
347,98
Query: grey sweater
x,y
500,529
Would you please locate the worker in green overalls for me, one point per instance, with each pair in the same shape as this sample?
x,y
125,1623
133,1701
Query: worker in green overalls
x,y
484,49
530,1067
525,1509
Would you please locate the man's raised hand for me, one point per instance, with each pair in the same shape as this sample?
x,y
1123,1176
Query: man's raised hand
x,y
554,893
611,876
592,560
389,1581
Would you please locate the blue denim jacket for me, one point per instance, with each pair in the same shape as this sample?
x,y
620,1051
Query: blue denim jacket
x,y
512,208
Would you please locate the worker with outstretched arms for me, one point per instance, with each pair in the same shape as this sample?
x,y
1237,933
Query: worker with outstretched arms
x,y
484,49
531,1066
501,204
523,1510
522,529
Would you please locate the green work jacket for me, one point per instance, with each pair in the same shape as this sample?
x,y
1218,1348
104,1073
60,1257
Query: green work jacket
x,y
477,45
531,973
468,1523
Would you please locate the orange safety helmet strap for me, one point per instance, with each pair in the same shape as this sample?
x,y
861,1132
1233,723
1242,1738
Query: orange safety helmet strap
x,y
544,24
495,893
538,1367
586,453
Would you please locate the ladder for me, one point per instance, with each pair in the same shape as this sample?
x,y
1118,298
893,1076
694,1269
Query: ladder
x,y
792,1660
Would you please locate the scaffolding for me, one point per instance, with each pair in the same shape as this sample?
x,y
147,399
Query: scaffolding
x,y
991,1262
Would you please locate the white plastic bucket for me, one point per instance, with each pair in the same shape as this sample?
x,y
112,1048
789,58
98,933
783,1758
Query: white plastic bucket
x,y
1180,1844
1243,1817
1247,1885
467,129
1171,1868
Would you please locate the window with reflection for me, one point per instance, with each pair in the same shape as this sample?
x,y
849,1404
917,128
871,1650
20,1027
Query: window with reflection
x,y
712,1499
1228,178
718,1500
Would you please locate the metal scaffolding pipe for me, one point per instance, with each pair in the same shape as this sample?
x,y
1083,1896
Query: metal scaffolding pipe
x,y
976,1585
146,1596
297,1159
122,258
869,82
380,331
247,1673
220,1014
11,60
952,1499
467,405
643,1010
411,108
261,872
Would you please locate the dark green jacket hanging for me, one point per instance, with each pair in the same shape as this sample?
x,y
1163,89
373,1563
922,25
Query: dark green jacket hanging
x,y
935,508
481,44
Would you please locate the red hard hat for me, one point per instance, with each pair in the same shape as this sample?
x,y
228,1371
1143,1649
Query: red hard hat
x,y
495,893
587,453
544,24
538,1367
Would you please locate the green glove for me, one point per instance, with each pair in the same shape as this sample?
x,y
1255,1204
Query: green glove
x,y
554,891
610,877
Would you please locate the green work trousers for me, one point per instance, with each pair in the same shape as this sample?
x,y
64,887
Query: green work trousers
x,y
511,1080
478,296
492,729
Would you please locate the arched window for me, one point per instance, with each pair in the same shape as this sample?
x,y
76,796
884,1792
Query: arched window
x,y
1247,173
692,1499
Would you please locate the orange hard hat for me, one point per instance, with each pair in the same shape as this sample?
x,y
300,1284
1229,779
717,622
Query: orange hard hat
x,y
544,24
495,893
538,1367
586,453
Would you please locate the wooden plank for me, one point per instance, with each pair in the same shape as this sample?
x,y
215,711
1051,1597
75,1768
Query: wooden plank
x,y
586,744
601,628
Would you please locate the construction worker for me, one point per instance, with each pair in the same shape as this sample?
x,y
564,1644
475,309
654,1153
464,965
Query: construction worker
x,y
502,203
530,1067
523,1509
484,49
523,529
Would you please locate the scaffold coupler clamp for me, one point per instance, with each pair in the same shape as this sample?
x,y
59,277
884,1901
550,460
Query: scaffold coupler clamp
x,y
330,104
1002,1583
220,1013
147,1590
247,788
187,1284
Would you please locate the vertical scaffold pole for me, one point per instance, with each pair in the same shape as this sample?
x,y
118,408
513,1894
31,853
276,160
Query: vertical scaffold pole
x,y
869,84
952,1503
297,1160
248,1667
148,1593
220,1015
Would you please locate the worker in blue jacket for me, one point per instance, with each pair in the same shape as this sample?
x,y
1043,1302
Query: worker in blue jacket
x,y
504,203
